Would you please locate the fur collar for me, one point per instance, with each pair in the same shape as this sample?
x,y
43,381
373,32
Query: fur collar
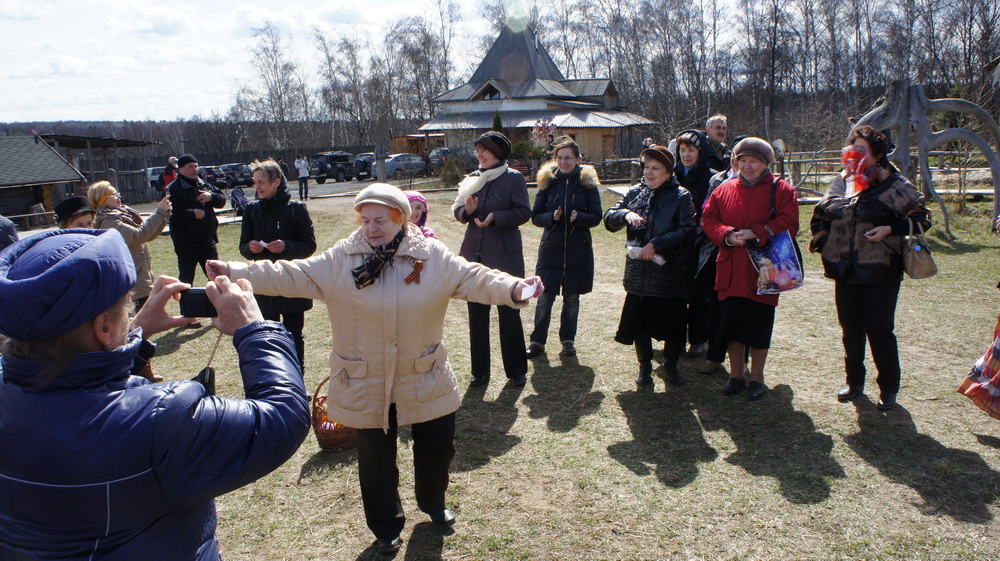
x,y
547,172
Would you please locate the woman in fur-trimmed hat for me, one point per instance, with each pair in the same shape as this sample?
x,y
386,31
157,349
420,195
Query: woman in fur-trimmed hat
x,y
568,205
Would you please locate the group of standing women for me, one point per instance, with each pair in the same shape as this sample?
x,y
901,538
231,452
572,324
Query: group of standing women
x,y
688,247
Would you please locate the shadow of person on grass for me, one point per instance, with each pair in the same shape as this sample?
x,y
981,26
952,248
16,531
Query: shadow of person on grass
x,y
426,541
773,439
950,480
562,393
171,341
481,427
323,462
665,436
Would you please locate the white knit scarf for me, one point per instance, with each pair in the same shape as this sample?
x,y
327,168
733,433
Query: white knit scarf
x,y
475,181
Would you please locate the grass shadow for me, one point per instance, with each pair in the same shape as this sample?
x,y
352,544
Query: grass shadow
x,y
951,481
426,542
481,427
562,393
665,435
171,341
774,440
323,462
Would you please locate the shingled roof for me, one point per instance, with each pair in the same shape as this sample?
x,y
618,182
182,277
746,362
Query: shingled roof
x,y
516,57
25,162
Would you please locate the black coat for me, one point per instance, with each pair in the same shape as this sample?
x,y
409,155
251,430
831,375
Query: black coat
x,y
566,252
278,218
184,227
670,226
498,245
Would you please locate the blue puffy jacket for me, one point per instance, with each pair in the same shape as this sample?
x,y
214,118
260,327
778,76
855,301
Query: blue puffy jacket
x,y
101,465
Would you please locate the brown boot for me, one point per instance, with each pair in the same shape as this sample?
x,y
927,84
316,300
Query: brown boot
x,y
147,373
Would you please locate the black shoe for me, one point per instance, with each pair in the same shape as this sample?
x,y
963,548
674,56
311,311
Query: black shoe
x,y
733,386
389,545
645,377
755,391
674,373
480,380
444,518
518,381
534,350
886,402
568,348
849,392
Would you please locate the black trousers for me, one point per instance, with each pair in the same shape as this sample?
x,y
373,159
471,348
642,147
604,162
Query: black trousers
x,y
294,322
190,255
868,311
515,358
433,449
303,188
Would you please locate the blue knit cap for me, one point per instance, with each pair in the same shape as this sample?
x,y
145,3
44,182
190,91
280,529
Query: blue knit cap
x,y
54,282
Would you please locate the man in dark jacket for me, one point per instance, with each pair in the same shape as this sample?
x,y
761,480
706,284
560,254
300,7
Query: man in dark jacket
x,y
276,227
193,225
98,463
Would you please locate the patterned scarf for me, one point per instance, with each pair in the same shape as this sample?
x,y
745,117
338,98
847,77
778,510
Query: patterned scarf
x,y
640,205
858,178
125,214
368,272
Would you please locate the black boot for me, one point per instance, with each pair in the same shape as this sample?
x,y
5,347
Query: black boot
x,y
671,354
644,353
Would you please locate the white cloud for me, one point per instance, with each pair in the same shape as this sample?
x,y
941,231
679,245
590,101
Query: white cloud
x,y
50,66
163,20
23,11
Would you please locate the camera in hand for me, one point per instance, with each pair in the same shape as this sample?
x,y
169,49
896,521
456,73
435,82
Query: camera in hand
x,y
195,304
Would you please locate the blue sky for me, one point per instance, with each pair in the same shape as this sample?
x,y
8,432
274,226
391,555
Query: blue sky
x,y
152,59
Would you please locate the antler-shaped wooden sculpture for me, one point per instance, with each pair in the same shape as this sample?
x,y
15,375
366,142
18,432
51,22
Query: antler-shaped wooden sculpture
x,y
905,109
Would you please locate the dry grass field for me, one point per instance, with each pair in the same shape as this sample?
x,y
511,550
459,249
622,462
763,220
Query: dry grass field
x,y
579,464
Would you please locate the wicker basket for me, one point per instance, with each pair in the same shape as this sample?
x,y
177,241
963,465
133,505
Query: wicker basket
x,y
331,435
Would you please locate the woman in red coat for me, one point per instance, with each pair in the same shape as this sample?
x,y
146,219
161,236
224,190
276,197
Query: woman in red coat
x,y
739,214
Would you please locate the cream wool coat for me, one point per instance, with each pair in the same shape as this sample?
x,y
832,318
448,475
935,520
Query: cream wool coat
x,y
387,337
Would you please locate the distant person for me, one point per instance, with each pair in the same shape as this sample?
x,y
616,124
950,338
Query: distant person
x,y
493,202
717,127
8,232
276,227
169,173
193,224
99,463
284,167
659,219
387,290
113,214
418,216
74,212
567,206
302,166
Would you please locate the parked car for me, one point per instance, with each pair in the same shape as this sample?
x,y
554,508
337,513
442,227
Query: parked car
x,y
466,159
153,177
399,166
214,175
363,165
338,166
239,174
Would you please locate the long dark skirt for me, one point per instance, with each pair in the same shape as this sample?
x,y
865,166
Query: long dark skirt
x,y
744,321
659,318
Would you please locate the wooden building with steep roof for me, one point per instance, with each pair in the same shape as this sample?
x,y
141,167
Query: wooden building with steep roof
x,y
518,78
33,179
